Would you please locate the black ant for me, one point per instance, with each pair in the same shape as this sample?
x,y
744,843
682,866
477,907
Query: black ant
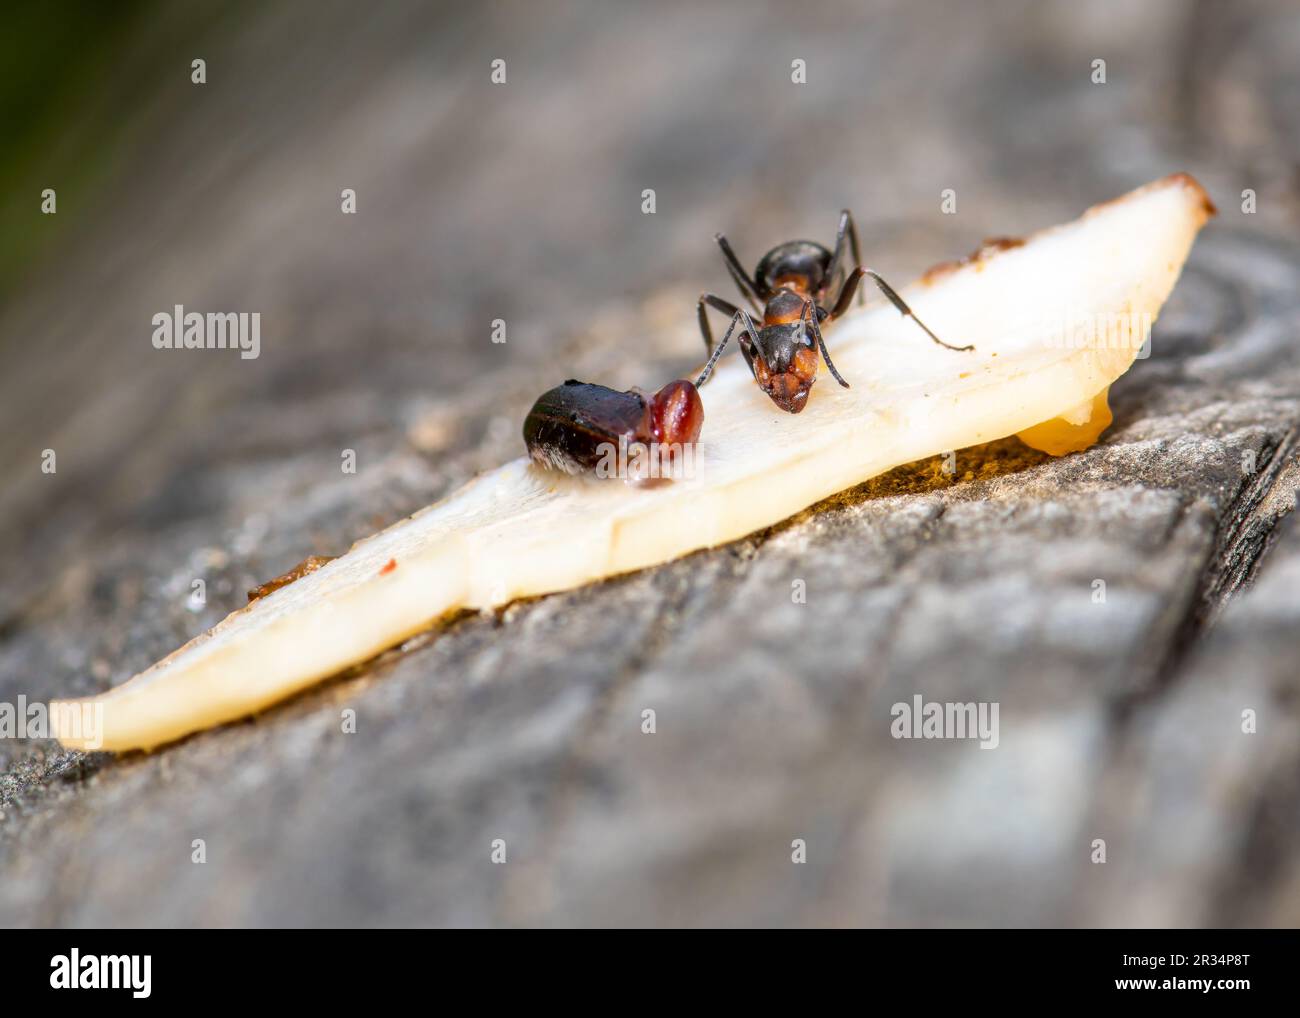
x,y
790,285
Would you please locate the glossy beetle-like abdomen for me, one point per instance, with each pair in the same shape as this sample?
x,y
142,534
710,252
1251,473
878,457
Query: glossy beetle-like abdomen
x,y
797,262
571,427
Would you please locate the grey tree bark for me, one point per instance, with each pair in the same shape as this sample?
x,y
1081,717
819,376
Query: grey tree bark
x,y
1121,721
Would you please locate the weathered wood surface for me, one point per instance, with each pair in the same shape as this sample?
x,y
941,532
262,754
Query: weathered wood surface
x,y
1119,721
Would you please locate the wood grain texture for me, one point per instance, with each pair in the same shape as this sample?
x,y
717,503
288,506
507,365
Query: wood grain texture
x,y
1119,721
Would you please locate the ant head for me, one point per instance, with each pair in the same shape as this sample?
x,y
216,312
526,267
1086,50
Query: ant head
x,y
797,264
787,379
676,414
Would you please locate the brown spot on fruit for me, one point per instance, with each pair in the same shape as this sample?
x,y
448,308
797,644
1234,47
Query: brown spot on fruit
x,y
992,246
308,565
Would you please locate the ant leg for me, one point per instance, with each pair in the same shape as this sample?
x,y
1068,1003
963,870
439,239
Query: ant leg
x,y
738,317
847,228
834,265
853,247
899,303
750,288
846,294
821,343
713,301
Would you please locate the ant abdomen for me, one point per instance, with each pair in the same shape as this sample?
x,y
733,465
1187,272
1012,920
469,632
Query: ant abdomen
x,y
798,264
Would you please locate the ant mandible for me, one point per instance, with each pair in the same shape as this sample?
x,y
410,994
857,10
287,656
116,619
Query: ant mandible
x,y
790,285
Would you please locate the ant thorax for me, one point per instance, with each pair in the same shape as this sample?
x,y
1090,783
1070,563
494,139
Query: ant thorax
x,y
785,307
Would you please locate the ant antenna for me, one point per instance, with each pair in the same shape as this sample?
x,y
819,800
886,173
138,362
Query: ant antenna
x,y
740,315
821,343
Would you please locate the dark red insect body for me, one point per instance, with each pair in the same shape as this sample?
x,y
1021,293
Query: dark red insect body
x,y
575,427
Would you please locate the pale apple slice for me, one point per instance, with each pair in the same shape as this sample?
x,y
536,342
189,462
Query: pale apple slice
x,y
1054,321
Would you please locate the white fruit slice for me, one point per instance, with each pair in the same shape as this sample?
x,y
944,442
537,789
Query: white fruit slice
x,y
1054,321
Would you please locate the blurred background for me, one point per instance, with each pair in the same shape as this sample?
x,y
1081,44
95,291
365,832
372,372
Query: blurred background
x,y
523,201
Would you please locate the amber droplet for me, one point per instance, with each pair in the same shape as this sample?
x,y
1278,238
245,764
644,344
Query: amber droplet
x,y
1067,434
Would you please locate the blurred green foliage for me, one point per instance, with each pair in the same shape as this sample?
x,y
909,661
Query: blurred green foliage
x,y
55,59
